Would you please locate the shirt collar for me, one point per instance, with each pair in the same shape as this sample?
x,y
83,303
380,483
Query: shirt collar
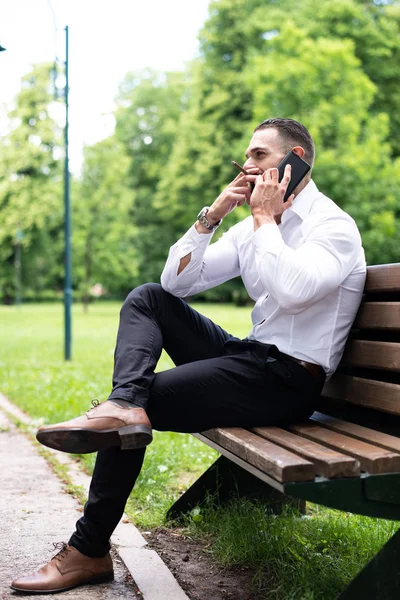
x,y
302,202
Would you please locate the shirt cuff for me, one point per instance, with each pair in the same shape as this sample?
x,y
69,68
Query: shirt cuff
x,y
267,238
192,240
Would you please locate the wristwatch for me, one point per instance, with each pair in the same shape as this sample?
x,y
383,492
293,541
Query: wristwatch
x,y
201,217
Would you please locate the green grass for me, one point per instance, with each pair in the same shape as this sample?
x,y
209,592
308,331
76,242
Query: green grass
x,y
34,376
297,558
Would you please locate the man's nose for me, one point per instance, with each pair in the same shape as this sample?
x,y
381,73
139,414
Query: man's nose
x,y
249,164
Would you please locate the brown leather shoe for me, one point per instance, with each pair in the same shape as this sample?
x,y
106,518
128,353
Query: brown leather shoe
x,y
67,569
105,425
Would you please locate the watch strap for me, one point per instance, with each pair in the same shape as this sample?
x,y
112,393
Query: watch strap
x,y
202,218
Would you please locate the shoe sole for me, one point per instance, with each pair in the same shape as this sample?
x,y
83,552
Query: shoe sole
x,y
106,578
85,441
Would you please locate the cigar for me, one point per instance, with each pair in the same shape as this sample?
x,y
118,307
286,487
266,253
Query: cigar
x,y
235,164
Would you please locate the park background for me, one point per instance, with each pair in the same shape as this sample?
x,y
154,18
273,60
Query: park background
x,y
334,66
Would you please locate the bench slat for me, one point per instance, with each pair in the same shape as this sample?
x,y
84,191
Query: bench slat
x,y
376,355
242,463
372,458
378,315
274,460
328,463
382,278
379,395
383,440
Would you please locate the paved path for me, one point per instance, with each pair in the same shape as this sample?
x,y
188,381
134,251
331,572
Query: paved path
x,y
36,511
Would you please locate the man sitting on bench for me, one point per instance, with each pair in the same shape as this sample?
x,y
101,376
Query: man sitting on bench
x,y
303,264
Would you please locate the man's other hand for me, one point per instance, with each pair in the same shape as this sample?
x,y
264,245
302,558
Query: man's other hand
x,y
235,194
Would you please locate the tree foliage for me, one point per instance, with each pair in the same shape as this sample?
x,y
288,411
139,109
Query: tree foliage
x,y
104,241
333,65
149,108
30,198
333,97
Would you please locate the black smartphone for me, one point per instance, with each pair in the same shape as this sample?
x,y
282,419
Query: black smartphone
x,y
299,170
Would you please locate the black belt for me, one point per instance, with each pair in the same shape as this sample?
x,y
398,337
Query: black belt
x,y
265,350
315,370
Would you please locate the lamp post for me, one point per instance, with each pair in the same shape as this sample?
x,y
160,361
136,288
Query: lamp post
x,y
67,203
67,221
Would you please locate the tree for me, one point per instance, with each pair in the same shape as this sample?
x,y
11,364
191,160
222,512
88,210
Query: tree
x,y
374,28
333,65
149,109
104,236
259,62
30,188
238,29
320,83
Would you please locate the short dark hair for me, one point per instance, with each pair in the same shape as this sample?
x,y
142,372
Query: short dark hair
x,y
292,133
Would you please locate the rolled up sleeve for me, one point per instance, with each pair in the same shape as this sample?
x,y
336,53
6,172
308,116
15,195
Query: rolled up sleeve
x,y
209,266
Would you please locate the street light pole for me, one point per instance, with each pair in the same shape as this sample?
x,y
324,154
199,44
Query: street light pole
x,y
67,221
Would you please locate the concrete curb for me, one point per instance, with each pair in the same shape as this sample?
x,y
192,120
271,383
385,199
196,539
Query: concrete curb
x,y
148,570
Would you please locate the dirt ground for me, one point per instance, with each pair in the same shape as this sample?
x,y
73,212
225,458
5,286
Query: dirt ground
x,y
197,572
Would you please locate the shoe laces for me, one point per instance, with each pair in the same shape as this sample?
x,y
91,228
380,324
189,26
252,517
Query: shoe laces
x,y
95,403
63,550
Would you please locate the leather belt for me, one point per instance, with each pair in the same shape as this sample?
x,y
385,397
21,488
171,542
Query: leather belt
x,y
315,370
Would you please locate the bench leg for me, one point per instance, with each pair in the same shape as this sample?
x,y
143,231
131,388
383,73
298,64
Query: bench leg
x,y
380,579
223,480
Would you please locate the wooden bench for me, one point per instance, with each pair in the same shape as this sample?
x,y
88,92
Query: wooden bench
x,y
347,455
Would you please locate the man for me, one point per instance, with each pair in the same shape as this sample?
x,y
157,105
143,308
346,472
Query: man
x,y
302,263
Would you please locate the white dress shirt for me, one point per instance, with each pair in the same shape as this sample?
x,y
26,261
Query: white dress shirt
x,y
305,275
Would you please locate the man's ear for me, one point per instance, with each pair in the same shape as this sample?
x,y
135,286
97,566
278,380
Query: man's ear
x,y
299,150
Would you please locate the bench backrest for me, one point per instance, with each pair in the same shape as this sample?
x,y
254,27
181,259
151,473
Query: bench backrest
x,y
347,436
366,387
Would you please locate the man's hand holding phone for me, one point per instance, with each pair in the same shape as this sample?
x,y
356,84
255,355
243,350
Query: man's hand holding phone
x,y
267,201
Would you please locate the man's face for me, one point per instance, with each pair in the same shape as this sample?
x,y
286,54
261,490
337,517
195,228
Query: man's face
x,y
264,151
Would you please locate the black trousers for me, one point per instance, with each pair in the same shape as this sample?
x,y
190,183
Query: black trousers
x,y
219,381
